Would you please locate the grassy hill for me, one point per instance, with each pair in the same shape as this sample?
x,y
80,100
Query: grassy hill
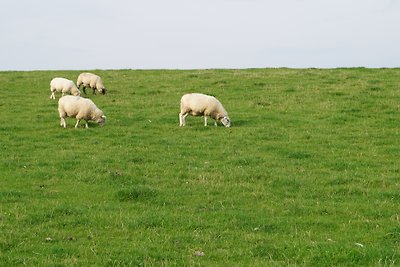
x,y
307,175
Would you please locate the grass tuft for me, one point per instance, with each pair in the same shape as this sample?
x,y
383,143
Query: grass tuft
x,y
138,193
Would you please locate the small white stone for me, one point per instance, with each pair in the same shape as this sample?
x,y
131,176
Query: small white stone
x,y
199,253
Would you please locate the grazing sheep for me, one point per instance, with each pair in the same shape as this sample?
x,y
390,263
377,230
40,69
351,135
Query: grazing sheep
x,y
91,80
79,108
200,104
63,85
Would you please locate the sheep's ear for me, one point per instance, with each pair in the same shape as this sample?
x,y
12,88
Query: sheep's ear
x,y
104,117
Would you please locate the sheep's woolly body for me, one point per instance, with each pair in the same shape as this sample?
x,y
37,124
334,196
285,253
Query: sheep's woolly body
x,y
79,108
196,104
91,80
64,86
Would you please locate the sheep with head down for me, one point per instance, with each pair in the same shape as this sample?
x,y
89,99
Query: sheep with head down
x,y
91,80
197,104
64,86
79,108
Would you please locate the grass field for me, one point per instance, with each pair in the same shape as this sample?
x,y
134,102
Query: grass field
x,y
308,174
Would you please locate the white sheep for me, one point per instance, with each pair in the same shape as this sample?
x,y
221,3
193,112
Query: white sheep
x,y
196,104
91,80
79,108
64,86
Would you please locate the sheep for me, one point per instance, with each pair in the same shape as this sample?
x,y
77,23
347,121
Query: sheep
x,y
197,104
63,85
79,108
91,80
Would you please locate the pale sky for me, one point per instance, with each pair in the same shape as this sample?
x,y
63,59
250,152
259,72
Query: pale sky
x,y
198,34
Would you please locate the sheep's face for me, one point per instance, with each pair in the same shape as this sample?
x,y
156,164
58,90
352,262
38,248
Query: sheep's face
x,y
103,91
226,121
101,120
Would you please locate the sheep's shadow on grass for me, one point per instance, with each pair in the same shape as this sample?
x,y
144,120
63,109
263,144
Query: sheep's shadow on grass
x,y
81,125
234,124
91,125
241,123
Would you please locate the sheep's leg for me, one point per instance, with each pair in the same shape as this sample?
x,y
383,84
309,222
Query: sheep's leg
x,y
52,96
62,123
77,123
182,119
215,123
84,89
86,124
205,120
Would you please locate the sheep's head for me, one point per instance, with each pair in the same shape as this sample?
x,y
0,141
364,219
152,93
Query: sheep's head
x,y
226,121
103,91
101,120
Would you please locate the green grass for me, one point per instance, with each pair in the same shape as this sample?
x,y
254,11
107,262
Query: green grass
x,y
308,174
